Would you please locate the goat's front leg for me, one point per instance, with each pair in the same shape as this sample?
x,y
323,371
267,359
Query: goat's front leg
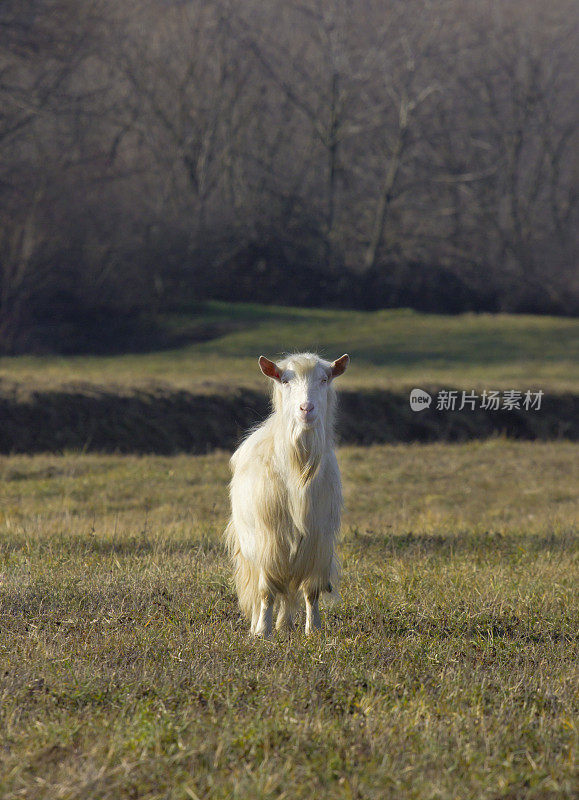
x,y
284,615
313,619
264,624
255,617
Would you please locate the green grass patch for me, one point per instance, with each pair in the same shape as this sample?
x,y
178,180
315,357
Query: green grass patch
x,y
389,349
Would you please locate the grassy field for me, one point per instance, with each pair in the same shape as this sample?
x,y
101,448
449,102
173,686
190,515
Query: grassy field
x,y
390,349
448,669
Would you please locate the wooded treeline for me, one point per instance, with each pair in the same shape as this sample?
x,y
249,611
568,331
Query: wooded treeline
x,y
361,153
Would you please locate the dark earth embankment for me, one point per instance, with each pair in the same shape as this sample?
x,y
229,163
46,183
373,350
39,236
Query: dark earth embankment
x,y
165,422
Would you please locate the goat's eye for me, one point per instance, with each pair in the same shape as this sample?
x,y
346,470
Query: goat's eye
x,y
285,381
324,380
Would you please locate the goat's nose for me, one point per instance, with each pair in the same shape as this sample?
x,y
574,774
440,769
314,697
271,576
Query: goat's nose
x,y
307,407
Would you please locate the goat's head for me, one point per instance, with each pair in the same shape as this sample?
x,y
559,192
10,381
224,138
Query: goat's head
x,y
301,386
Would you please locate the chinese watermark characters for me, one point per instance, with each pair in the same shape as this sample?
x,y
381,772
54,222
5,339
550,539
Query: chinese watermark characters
x,y
492,400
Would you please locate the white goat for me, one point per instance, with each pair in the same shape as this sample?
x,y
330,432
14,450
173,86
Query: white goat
x,y
286,496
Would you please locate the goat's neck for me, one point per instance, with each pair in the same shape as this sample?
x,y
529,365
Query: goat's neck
x,y
301,451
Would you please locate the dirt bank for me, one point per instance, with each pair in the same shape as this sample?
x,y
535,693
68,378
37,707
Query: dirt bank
x,y
164,421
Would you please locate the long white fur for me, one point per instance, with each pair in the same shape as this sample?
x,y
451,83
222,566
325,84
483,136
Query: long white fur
x,y
286,500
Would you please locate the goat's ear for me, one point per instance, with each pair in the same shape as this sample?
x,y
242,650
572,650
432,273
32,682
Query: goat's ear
x,y
339,365
269,368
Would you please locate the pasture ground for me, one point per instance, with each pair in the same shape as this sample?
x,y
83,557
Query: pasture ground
x,y
448,669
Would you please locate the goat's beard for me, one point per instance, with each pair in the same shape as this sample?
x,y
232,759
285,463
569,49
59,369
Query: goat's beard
x,y
306,450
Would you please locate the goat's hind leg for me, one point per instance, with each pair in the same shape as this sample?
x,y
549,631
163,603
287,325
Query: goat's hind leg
x,y
313,619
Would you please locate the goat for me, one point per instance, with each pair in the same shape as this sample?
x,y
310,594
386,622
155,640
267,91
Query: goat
x,y
286,497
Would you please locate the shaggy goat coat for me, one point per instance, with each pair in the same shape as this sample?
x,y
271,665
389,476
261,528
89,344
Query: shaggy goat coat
x,y
286,497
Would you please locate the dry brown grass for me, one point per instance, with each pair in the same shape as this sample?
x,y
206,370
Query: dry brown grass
x,y
448,670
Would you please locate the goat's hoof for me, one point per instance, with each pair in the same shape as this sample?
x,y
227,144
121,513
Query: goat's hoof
x,y
313,629
261,634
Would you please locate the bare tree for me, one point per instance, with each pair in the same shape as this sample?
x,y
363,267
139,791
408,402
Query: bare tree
x,y
403,91
517,105
148,147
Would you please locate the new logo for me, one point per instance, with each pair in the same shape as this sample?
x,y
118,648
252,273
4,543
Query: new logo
x,y
419,400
